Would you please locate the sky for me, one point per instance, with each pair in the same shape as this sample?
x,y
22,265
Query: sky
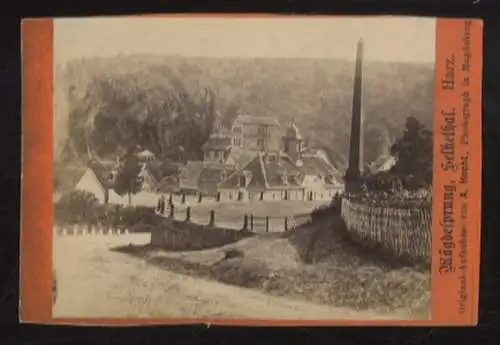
x,y
386,38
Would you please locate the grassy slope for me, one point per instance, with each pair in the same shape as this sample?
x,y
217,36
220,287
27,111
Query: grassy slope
x,y
96,282
314,264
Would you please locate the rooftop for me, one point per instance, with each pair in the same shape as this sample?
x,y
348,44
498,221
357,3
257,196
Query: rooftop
x,y
256,120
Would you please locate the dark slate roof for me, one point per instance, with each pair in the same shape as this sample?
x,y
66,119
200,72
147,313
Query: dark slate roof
x,y
262,120
276,167
214,173
217,144
190,174
266,173
255,172
317,166
241,157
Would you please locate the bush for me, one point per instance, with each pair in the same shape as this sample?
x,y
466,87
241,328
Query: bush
x,y
130,216
328,211
75,206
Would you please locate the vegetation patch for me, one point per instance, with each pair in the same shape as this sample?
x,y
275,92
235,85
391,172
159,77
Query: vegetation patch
x,y
312,263
176,235
81,207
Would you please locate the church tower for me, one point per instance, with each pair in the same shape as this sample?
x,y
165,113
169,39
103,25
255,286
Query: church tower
x,y
293,143
355,167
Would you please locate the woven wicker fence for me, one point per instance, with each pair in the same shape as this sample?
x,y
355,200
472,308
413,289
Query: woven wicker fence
x,y
406,232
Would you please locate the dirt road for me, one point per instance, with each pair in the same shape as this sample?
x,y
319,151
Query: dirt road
x,y
96,282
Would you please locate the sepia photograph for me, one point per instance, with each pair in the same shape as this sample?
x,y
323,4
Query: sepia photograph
x,y
270,168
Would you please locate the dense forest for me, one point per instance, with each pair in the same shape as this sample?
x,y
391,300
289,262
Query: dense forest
x,y
169,104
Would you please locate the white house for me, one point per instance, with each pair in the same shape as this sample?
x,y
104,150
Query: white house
x,y
97,180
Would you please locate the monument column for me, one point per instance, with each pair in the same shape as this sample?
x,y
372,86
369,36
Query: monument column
x,y
355,167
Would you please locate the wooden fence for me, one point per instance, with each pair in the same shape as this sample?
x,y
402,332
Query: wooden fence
x,y
405,232
87,230
248,222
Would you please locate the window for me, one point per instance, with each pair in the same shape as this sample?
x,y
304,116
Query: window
x,y
237,129
243,181
223,175
259,142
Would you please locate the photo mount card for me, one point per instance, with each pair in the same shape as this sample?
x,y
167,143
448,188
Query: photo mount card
x,y
251,170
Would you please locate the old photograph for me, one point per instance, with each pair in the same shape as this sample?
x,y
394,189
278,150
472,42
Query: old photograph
x,y
249,168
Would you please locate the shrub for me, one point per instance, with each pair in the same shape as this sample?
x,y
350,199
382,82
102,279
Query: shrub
x,y
75,206
328,211
130,216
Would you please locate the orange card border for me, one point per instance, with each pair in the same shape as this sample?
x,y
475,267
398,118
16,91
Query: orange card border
x,y
37,170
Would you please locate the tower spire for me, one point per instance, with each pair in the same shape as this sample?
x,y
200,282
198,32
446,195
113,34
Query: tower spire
x,y
355,167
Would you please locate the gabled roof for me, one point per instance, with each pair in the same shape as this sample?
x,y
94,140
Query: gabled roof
x,y
190,174
67,179
257,178
277,167
267,173
215,173
217,144
314,165
102,173
257,120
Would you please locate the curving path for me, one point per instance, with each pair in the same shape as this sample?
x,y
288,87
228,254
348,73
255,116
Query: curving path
x,y
96,282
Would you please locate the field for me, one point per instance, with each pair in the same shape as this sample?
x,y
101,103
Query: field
x,y
94,281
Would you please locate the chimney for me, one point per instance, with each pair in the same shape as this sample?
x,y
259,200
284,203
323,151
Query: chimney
x,y
354,170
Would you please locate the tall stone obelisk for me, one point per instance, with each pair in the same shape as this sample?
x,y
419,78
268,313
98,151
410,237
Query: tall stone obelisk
x,y
355,167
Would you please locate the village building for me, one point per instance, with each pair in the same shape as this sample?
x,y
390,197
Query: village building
x,y
146,156
247,164
98,179
284,175
218,146
255,133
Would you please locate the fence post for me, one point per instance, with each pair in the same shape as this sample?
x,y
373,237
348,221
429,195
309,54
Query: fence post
x,y
188,214
267,223
212,218
245,223
162,210
251,222
286,224
172,207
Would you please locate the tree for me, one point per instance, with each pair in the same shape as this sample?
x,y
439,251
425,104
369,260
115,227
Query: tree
x,y
376,144
128,181
413,152
75,206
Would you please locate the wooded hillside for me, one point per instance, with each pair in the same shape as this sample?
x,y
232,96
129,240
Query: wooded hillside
x,y
168,104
